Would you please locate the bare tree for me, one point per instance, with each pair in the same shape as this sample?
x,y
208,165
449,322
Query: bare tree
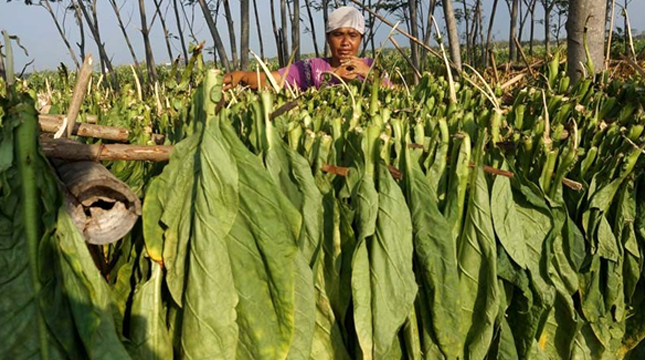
x,y
244,34
414,31
180,32
278,37
259,29
231,31
532,31
219,45
453,34
45,4
585,22
295,30
117,12
284,21
428,31
548,6
150,61
92,23
512,49
312,26
166,33
489,35
79,21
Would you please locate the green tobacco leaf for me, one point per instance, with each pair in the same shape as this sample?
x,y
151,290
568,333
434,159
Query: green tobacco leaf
x,y
393,285
508,226
88,293
435,254
305,312
478,271
210,297
366,215
262,246
383,282
176,181
293,175
148,331
151,214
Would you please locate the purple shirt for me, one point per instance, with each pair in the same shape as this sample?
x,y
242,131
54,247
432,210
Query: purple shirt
x,y
310,72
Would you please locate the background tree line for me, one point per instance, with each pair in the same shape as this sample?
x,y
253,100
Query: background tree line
x,y
469,27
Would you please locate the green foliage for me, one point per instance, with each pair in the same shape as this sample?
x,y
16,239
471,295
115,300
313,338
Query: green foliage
x,y
366,222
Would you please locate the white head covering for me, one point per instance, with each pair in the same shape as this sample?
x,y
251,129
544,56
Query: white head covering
x,y
346,17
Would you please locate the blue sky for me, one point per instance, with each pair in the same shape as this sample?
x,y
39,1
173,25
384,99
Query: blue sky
x,y
38,34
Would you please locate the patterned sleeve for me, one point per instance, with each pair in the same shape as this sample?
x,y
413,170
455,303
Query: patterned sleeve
x,y
297,75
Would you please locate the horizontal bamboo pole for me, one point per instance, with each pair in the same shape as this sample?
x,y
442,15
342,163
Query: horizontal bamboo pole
x,y
52,123
73,151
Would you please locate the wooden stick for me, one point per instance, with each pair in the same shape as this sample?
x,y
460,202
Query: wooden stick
x,y
526,61
514,80
90,119
494,64
79,93
635,65
52,123
284,109
73,151
336,170
407,59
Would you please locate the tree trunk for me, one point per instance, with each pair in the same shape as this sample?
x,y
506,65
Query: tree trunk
x,y
414,47
489,35
276,34
216,38
468,53
106,64
480,31
532,31
244,34
284,21
325,5
295,30
259,29
428,34
180,32
231,32
453,34
512,49
547,27
166,34
585,15
150,61
117,12
313,27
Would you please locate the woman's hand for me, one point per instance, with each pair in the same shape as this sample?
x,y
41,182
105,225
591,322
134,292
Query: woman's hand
x,y
352,67
234,78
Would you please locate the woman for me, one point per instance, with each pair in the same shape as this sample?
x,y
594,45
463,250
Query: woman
x,y
344,33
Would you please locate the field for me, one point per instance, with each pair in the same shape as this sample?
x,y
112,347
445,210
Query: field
x,y
494,216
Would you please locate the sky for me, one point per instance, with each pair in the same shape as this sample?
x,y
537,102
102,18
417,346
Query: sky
x,y
38,34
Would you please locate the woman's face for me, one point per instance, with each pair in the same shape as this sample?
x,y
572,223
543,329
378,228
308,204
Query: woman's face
x,y
344,42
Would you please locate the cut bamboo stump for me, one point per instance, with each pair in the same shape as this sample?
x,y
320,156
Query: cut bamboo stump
x,y
103,207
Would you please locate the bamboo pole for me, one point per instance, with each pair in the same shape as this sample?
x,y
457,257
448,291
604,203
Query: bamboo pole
x,y
73,151
79,93
52,123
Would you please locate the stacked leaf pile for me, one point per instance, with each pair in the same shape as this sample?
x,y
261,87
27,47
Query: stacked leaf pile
x,y
366,222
